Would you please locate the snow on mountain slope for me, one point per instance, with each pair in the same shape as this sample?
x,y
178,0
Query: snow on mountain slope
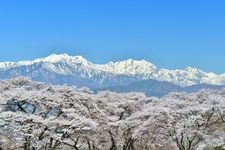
x,y
5,65
129,67
115,72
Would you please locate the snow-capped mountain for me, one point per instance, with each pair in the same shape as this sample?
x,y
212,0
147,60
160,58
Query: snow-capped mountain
x,y
76,70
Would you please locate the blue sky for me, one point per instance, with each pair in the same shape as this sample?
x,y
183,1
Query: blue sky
x,y
171,34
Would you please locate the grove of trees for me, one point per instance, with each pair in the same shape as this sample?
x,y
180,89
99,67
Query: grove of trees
x,y
38,116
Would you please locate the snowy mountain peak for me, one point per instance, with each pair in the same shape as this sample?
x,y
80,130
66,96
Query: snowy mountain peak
x,y
56,58
61,57
192,69
128,67
137,62
64,58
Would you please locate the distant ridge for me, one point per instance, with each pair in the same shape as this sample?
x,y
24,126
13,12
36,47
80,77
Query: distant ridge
x,y
138,69
78,71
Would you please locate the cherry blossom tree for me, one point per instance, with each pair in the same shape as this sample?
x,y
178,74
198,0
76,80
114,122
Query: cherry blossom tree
x,y
36,116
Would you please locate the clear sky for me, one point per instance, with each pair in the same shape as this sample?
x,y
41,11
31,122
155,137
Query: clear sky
x,y
169,33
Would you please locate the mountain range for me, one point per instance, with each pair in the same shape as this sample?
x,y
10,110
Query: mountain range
x,y
121,76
